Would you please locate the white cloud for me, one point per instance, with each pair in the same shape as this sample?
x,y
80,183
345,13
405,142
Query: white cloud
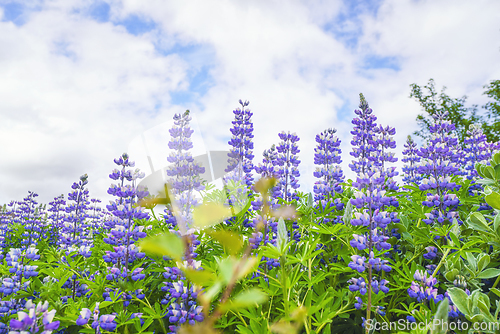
x,y
78,92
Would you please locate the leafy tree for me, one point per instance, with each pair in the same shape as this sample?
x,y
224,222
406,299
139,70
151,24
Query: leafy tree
x,y
492,128
432,102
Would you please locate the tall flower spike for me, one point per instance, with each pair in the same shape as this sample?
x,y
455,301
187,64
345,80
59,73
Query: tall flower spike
x,y
370,143
363,140
476,150
75,230
240,163
439,163
411,160
184,172
327,157
287,164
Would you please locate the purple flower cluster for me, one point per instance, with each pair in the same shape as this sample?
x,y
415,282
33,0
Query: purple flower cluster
x,y
184,171
476,150
240,163
330,175
439,163
424,287
124,229
371,144
106,321
287,167
75,231
36,318
411,160
180,297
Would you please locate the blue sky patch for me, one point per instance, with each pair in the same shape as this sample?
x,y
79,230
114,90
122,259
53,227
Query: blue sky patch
x,y
99,11
378,62
136,25
12,12
347,25
63,48
200,82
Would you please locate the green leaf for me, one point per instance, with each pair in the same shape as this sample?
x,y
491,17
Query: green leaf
x,y
483,262
209,294
441,318
472,260
493,200
247,298
231,241
210,214
489,273
200,277
496,222
166,243
497,172
495,291
477,222
455,240
282,237
459,298
226,269
264,184
489,172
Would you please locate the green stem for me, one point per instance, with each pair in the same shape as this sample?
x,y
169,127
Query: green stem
x,y
441,262
496,283
284,285
160,320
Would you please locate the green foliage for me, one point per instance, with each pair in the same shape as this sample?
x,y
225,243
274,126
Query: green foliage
x,y
458,113
433,102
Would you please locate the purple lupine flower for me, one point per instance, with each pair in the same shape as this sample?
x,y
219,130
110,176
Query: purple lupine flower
x,y
84,317
36,318
327,157
123,229
358,284
184,172
423,287
74,232
29,216
439,163
411,160
267,169
431,253
286,165
359,303
240,163
476,150
371,145
56,216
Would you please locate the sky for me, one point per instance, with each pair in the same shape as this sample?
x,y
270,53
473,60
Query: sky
x,y
82,81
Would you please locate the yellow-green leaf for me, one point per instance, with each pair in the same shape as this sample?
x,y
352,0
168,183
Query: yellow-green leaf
x,y
200,277
247,298
210,214
164,244
230,240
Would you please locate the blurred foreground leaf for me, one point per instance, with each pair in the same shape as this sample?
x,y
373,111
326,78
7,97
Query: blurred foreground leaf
x,y
247,298
164,244
210,214
232,241
200,277
164,198
198,328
